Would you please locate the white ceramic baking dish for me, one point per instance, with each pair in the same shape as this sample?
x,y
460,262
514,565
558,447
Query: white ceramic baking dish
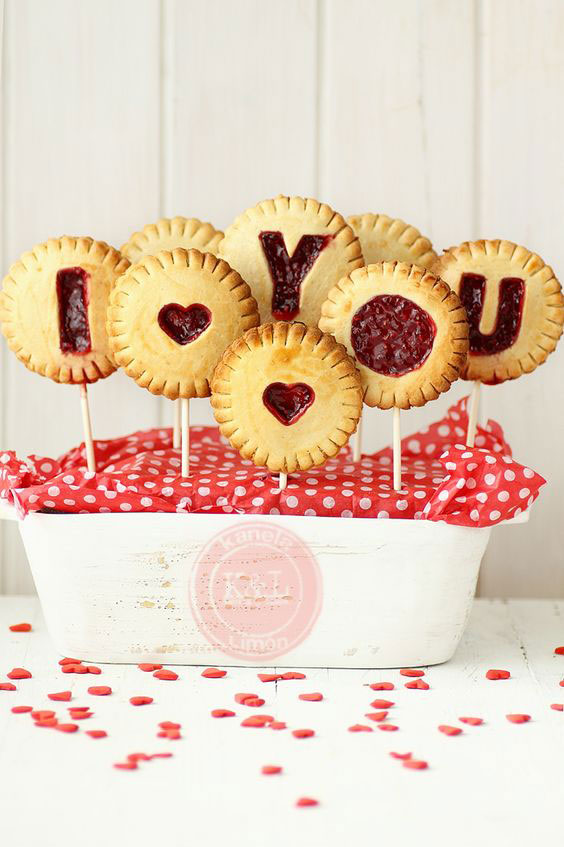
x,y
362,593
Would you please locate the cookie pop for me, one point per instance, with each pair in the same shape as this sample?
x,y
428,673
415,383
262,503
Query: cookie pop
x,y
407,331
170,318
166,234
53,313
515,311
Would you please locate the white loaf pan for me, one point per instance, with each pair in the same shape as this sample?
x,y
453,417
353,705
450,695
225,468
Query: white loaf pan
x,y
389,593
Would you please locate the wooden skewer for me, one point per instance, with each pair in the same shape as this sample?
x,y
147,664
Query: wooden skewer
x,y
185,434
473,414
176,425
396,446
282,481
357,444
87,427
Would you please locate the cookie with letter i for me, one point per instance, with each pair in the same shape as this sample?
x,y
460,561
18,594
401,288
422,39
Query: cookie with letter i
x,y
291,251
514,304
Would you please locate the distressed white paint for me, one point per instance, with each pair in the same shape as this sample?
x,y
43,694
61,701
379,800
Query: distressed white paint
x,y
443,112
499,783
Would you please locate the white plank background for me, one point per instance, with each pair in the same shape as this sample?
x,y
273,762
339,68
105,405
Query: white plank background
x,y
443,112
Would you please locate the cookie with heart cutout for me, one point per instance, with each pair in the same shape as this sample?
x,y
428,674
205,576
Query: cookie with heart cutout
x,y
385,239
286,396
169,233
53,308
291,251
406,329
514,304
171,317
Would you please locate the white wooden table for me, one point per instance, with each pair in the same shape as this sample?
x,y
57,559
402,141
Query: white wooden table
x,y
499,783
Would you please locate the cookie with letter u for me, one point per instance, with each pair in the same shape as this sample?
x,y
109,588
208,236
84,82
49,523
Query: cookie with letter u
x,y
287,396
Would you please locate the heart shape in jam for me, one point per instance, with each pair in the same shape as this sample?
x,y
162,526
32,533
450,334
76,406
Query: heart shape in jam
x,y
288,402
184,323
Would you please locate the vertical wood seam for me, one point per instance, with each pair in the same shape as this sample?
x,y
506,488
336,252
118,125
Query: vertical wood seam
x,y
3,171
318,128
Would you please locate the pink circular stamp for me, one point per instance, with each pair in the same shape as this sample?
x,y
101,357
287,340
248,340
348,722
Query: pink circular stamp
x,y
256,591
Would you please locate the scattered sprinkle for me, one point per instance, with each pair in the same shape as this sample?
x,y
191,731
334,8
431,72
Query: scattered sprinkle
x,y
449,730
314,697
415,764
269,677
558,650
403,756
558,707
376,716
293,675
67,727
42,714
411,672
268,770
307,801
21,710
97,733
494,673
19,673
382,704
149,667
7,686
164,673
126,766
68,661
302,733
64,696
170,725
20,627
388,727
277,725
222,713
382,686
518,718
258,721
418,684
140,701
472,721
360,727
93,669
213,673
100,690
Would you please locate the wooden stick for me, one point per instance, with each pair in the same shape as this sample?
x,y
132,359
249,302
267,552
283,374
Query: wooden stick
x,y
396,446
473,414
282,481
185,434
87,427
176,425
357,444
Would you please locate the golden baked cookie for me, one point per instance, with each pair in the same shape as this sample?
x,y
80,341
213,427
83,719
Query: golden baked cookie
x,y
169,233
53,308
291,251
287,396
406,329
384,239
514,304
171,317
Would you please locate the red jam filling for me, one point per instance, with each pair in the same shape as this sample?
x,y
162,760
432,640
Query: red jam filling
x,y
392,335
184,324
509,312
72,296
288,272
288,402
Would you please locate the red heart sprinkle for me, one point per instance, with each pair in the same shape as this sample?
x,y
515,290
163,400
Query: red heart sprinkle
x,y
277,725
242,697
126,766
170,725
164,673
293,675
140,701
21,710
360,727
561,683
417,683
171,734
411,672
254,702
376,716
65,696
74,668
81,716
558,707
415,764
518,718
42,714
160,755
314,697
307,801
302,733
472,721
213,673
20,627
7,686
403,756
222,713
19,673
148,667
93,669
387,727
255,720
558,650
96,733
67,727
382,704
100,690
449,730
268,770
269,677
48,722
138,757
497,674
68,661
78,708
382,686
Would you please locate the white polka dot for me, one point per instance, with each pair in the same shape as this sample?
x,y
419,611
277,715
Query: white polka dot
x,y
89,498
460,483
53,490
383,514
125,507
240,491
495,515
489,479
503,496
274,511
402,505
528,473
203,491
491,460
443,495
365,503
49,503
146,501
69,502
311,513
480,440
68,479
257,501
328,502
46,467
450,466
475,515
481,497
466,455
414,446
524,492
471,483
311,492
346,513
167,491
443,430
509,476
420,494
291,502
